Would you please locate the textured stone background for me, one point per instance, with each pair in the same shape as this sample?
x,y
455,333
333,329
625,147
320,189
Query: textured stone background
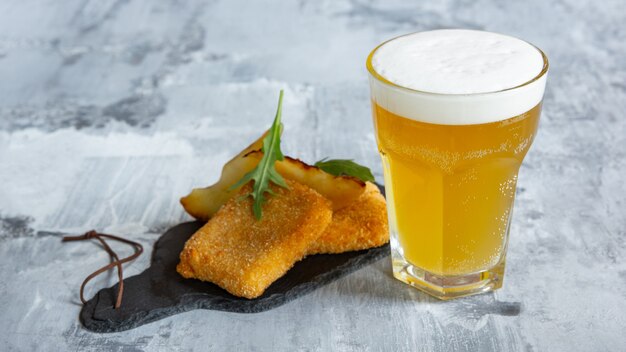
x,y
111,110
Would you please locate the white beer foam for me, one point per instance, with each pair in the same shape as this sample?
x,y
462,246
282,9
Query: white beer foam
x,y
457,77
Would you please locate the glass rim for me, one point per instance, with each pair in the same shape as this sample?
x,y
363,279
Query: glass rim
x,y
380,78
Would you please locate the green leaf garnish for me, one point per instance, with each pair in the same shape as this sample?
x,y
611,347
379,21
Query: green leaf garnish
x,y
340,167
265,172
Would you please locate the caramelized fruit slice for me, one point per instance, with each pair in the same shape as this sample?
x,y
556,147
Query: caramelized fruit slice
x,y
340,190
203,203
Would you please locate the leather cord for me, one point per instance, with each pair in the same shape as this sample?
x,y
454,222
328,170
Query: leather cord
x,y
117,262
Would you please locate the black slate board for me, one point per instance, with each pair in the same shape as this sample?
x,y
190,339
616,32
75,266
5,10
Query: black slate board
x,y
160,291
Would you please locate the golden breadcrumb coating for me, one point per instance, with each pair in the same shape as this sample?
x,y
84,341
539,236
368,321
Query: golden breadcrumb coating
x,y
360,225
244,255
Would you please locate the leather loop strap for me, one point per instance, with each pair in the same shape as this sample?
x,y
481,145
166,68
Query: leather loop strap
x,y
116,262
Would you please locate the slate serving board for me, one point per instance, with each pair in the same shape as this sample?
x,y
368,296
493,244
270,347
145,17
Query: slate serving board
x,y
160,291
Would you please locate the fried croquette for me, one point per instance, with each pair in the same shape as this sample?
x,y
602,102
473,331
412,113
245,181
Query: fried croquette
x,y
360,225
244,255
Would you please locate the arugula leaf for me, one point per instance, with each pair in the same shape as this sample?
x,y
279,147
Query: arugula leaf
x,y
265,172
339,167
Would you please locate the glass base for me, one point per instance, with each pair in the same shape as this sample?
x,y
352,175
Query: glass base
x,y
447,287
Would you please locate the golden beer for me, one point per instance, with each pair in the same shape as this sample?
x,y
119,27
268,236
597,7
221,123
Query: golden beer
x,y
451,185
459,184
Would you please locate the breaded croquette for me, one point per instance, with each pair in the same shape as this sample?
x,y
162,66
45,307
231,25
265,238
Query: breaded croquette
x,y
360,225
244,255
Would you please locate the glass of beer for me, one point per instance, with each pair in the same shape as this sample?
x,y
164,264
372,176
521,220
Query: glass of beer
x,y
455,112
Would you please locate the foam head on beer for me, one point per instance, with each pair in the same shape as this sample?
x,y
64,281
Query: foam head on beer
x,y
456,77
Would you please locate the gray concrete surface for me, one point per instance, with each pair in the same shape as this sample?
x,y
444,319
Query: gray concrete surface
x,y
111,110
